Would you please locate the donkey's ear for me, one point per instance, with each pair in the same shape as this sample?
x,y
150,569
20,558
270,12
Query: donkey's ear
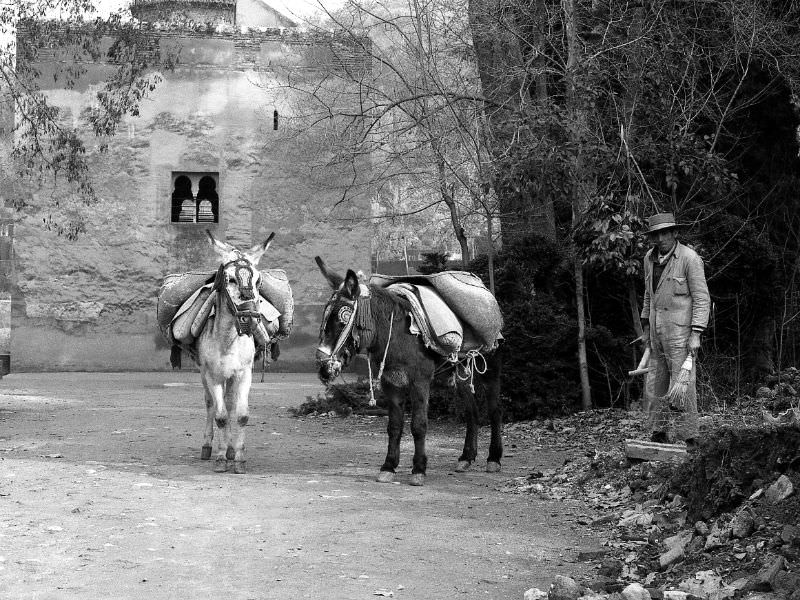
x,y
256,252
334,279
219,246
352,287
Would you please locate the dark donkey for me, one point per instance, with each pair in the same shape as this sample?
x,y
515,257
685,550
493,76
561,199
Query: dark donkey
x,y
373,320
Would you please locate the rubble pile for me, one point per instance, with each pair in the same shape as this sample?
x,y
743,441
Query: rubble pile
x,y
725,523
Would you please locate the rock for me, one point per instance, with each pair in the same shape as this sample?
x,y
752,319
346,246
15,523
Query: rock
x,y
700,528
671,556
780,490
535,594
636,519
786,583
635,592
675,595
717,537
564,588
790,534
762,582
707,584
679,539
695,546
742,524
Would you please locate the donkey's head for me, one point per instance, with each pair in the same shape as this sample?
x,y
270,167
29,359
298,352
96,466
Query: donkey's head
x,y
238,277
337,344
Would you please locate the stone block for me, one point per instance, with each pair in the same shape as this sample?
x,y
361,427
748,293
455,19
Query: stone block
x,y
780,490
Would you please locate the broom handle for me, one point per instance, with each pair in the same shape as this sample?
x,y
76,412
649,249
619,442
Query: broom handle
x,y
642,368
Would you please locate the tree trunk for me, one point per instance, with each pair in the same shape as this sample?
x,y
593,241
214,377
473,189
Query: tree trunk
x,y
455,218
577,124
490,250
583,365
502,72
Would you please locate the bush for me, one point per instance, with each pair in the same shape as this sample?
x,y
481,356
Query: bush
x,y
346,399
533,288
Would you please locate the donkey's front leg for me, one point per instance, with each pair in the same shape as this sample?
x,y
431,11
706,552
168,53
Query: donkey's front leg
x,y
420,393
396,401
239,391
216,391
208,432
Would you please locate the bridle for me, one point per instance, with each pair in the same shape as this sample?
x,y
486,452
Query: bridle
x,y
247,315
356,316
347,316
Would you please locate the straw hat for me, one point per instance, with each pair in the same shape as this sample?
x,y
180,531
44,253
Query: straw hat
x,y
660,222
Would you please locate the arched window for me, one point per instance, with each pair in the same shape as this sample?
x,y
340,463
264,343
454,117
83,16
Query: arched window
x,y
182,190
207,201
186,207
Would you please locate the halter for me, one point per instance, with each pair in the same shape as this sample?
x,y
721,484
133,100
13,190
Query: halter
x,y
350,307
358,323
247,315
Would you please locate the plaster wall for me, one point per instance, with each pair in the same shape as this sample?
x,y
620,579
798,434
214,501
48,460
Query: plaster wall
x,y
90,304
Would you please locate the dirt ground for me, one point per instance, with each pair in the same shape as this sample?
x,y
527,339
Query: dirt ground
x,y
103,495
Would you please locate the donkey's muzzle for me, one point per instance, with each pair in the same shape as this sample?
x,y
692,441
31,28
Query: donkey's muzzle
x,y
329,367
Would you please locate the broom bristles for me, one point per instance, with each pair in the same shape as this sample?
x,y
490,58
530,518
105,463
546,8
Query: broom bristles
x,y
678,392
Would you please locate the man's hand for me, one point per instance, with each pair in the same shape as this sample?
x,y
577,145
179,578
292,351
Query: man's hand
x,y
694,342
645,336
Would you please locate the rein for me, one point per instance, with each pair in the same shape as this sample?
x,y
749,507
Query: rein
x,y
372,401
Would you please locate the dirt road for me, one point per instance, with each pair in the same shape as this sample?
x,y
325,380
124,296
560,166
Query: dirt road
x,y
103,495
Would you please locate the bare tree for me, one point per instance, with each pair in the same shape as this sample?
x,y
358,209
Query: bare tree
x,y
412,109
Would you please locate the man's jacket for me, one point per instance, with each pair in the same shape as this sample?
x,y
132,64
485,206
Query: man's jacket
x,y
681,295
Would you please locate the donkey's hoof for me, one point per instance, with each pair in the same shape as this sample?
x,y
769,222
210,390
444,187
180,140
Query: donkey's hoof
x,y
205,453
230,453
385,477
240,467
220,465
463,465
492,467
417,479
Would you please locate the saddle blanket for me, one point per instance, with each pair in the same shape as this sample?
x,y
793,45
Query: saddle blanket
x,y
466,295
191,318
432,318
179,288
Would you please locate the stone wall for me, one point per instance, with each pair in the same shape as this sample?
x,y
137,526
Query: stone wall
x,y
90,304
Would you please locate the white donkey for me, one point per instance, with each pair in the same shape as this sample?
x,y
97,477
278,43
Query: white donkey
x,y
225,352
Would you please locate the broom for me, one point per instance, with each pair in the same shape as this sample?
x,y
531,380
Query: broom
x,y
679,389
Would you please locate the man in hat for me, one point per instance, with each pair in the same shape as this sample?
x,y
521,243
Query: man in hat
x,y
674,316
